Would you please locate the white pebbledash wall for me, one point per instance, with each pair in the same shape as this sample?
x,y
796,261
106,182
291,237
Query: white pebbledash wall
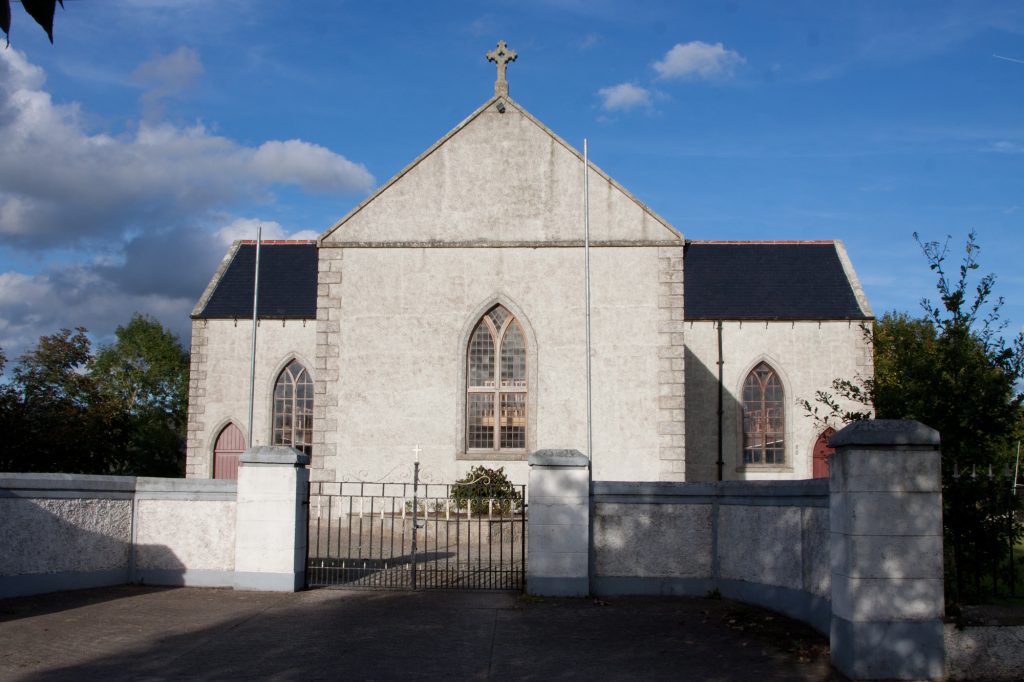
x,y
807,356
219,380
63,532
858,556
493,213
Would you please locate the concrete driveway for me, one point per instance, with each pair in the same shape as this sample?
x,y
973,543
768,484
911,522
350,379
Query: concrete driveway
x,y
142,633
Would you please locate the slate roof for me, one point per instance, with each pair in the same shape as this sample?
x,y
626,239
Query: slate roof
x,y
287,283
723,281
767,281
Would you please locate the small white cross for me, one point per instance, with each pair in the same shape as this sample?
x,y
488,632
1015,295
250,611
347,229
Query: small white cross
x,y
416,451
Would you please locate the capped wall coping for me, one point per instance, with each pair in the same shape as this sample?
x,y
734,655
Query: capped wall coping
x,y
149,484
83,482
274,454
885,432
29,485
558,458
813,487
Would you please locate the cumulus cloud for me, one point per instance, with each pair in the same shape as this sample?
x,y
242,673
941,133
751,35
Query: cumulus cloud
x,y
245,228
159,273
28,310
700,60
61,183
130,222
624,96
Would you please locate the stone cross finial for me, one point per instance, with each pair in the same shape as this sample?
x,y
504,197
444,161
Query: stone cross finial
x,y
501,56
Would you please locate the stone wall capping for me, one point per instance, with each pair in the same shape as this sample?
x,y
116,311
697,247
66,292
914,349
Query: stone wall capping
x,y
558,458
274,454
885,432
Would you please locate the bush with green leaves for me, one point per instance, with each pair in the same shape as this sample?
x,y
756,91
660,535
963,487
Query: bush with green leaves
x,y
482,490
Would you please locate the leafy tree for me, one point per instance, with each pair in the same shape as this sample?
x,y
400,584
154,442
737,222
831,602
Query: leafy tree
x,y
40,10
55,418
122,412
952,370
145,370
145,374
53,372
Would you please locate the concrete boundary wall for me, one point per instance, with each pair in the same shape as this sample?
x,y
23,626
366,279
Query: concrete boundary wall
x,y
761,542
65,531
857,556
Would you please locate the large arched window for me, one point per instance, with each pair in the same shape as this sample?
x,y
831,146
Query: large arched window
x,y
293,408
496,384
764,417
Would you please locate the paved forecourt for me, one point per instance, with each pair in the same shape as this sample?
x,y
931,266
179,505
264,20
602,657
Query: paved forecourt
x,y
184,633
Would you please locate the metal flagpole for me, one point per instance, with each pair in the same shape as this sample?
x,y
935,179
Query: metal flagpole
x,y
586,268
252,356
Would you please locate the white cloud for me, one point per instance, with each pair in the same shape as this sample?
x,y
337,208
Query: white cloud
x,y
27,309
245,228
624,96
167,76
699,60
1006,147
159,273
62,184
139,219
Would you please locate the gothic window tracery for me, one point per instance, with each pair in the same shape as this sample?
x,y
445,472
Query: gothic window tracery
x,y
496,385
293,408
764,423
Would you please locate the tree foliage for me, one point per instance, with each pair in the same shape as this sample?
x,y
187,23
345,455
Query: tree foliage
x,y
40,10
951,368
120,412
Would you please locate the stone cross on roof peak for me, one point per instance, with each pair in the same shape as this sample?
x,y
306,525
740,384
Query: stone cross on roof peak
x,y
501,55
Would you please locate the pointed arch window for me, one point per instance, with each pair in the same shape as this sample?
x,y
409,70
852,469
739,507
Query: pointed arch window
x,y
293,408
496,385
764,417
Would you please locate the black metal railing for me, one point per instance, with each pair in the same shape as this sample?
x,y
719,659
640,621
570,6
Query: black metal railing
x,y
406,536
983,523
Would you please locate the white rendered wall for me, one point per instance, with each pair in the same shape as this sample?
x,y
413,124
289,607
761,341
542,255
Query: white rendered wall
x,y
68,531
806,355
403,322
220,393
761,542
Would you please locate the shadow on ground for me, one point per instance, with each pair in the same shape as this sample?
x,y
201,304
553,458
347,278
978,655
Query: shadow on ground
x,y
344,634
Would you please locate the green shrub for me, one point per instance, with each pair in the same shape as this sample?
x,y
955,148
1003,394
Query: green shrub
x,y
481,485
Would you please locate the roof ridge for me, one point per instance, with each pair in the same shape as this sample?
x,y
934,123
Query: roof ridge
x,y
278,241
760,241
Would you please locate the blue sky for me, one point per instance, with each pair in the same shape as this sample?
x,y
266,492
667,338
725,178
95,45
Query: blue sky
x,y
154,131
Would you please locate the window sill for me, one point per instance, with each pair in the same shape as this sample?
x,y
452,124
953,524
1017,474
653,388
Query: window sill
x,y
764,469
493,456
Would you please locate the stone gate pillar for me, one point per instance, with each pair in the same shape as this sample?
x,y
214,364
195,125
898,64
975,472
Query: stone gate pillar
x,y
270,519
559,524
885,512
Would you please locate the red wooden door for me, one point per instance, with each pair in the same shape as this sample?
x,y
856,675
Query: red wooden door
x,y
822,454
230,446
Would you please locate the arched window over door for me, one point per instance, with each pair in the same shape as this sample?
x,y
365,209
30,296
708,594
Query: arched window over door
x,y
293,408
496,390
764,417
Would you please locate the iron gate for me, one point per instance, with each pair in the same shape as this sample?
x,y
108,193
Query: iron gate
x,y
401,536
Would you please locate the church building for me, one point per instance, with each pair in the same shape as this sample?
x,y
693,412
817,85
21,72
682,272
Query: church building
x,y
446,318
